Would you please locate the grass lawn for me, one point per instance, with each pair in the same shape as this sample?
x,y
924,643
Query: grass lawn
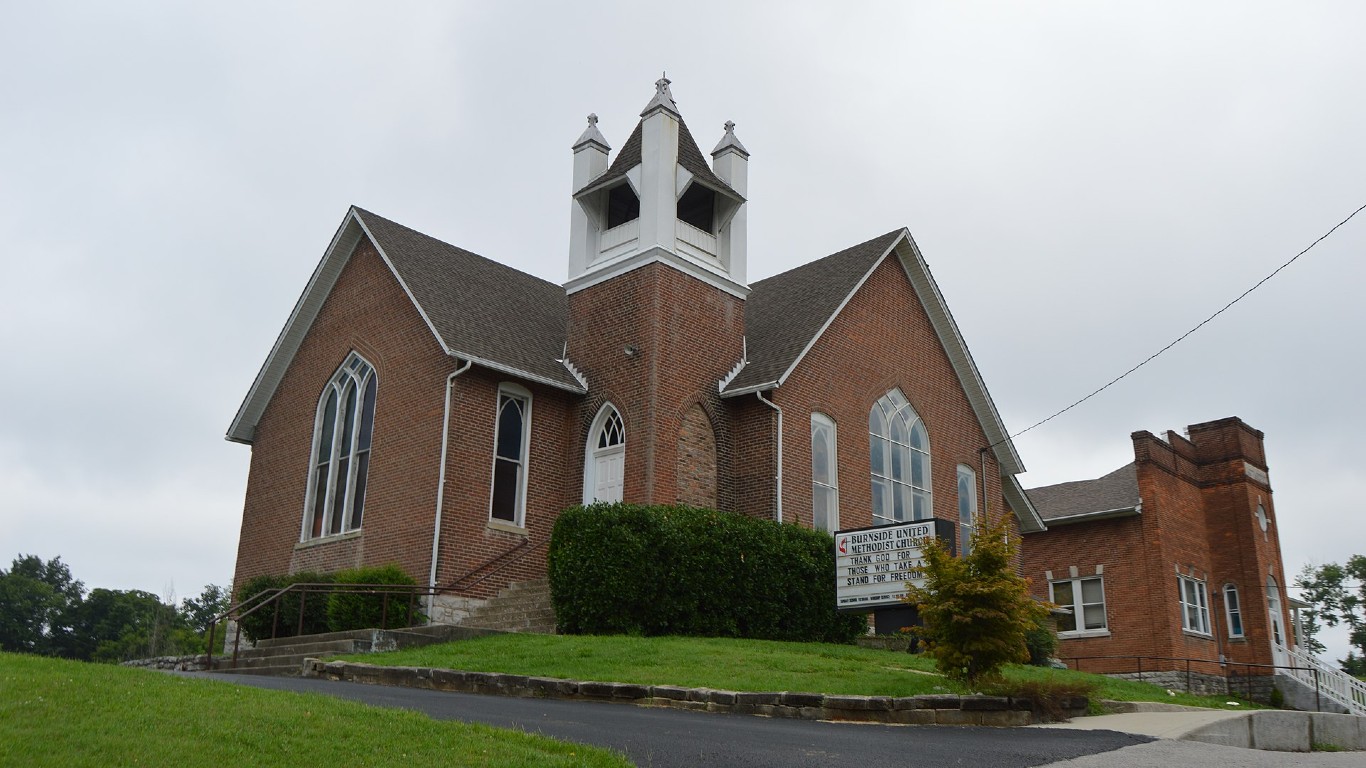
x,y
737,665
66,713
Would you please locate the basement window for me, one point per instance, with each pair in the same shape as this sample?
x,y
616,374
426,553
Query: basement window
x,y
697,207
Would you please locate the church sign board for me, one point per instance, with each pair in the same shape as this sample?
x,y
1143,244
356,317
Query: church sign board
x,y
874,565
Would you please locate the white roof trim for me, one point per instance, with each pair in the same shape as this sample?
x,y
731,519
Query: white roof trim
x,y
959,356
1102,514
243,427
1030,520
334,260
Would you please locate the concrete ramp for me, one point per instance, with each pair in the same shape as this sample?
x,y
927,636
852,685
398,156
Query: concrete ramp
x,y
1282,731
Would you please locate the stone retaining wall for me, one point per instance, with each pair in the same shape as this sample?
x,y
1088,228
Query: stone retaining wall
x,y
909,710
1253,687
178,663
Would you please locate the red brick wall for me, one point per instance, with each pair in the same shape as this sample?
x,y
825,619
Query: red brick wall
x,y
468,538
685,335
369,313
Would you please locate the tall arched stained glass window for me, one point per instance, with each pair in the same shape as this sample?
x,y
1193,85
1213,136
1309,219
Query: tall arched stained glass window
x,y
899,452
342,434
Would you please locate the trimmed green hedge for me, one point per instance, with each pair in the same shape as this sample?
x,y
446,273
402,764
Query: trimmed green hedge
x,y
327,612
675,570
360,611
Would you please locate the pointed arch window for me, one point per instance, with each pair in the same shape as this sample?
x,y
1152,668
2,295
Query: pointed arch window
x,y
343,431
512,433
899,452
825,493
967,507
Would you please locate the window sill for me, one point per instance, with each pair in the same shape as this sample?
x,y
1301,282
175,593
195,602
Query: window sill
x,y
506,527
1197,635
1084,633
330,539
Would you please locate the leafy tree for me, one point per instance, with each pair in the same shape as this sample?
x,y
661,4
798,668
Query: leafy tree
x,y
35,599
1338,595
118,625
977,611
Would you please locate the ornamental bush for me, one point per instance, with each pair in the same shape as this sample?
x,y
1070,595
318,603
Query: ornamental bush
x,y
677,570
976,609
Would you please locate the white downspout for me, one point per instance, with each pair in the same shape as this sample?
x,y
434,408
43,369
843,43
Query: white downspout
x,y
779,477
441,479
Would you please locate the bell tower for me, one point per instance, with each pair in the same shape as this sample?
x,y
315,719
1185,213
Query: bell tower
x,y
656,294
659,201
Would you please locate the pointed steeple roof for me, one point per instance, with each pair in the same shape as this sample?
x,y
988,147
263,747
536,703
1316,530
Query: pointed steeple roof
x,y
689,155
729,141
591,135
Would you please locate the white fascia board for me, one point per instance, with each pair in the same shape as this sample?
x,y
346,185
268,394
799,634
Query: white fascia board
x,y
1030,520
1103,514
320,285
952,341
518,372
335,257
656,255
594,186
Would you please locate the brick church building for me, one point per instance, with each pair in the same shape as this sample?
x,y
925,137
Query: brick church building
x,y
429,407
1173,555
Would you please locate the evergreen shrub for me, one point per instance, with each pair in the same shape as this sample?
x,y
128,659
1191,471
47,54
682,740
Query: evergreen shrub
x,y
353,610
283,616
678,570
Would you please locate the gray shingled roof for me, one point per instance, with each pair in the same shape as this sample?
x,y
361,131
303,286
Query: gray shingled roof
x,y
689,156
478,307
1113,492
784,313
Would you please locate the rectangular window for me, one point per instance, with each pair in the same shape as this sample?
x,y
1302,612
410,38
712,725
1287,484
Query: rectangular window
x,y
1086,598
511,433
825,494
1194,605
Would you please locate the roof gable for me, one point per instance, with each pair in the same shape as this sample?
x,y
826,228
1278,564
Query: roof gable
x,y
477,310
786,315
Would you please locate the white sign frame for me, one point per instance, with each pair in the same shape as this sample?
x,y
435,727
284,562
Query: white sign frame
x,y
873,565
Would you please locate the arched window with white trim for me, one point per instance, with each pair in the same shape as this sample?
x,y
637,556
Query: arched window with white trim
x,y
343,430
825,493
512,435
899,452
967,507
604,461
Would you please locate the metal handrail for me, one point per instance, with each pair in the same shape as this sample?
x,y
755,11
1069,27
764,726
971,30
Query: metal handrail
x,y
273,597
502,560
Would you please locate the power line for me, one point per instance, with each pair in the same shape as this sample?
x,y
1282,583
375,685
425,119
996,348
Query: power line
x,y
1198,326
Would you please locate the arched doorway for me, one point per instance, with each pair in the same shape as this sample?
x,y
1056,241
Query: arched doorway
x,y
604,461
1273,605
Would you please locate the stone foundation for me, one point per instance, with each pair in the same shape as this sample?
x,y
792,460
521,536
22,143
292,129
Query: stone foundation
x,y
452,609
1252,687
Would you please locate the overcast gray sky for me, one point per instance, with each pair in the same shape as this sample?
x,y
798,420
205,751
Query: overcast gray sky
x,y
1087,181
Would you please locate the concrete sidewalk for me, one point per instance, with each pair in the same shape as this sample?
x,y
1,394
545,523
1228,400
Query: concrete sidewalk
x,y
1269,730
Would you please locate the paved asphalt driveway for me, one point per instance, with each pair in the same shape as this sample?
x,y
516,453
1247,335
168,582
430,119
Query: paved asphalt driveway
x,y
668,738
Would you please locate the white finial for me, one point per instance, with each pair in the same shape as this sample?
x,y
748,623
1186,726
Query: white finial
x,y
729,141
591,135
663,97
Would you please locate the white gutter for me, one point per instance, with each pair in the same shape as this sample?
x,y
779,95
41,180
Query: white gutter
x,y
779,477
441,478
